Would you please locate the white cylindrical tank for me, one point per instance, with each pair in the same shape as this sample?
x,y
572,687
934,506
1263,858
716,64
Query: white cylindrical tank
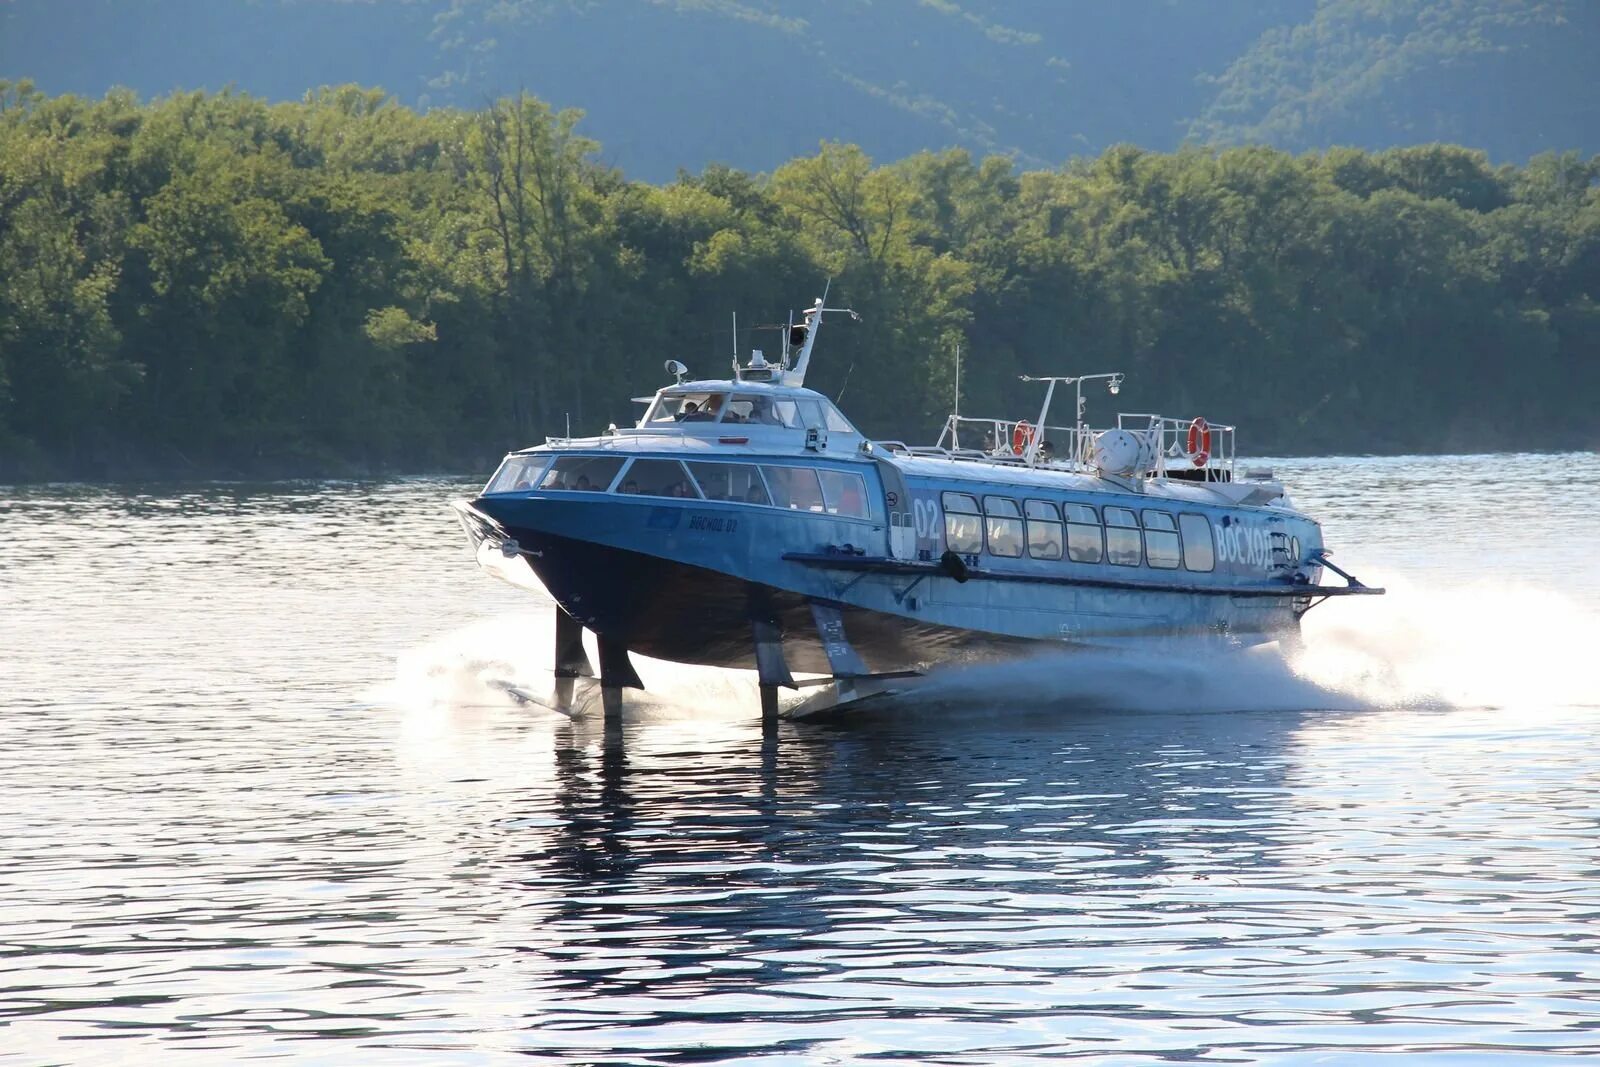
x,y
1120,452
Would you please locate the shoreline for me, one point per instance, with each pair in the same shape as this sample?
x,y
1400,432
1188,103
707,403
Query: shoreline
x,y
337,474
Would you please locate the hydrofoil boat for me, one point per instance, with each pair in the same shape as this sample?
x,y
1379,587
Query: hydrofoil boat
x,y
746,522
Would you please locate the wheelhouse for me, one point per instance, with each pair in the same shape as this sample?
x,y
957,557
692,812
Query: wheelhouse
x,y
696,407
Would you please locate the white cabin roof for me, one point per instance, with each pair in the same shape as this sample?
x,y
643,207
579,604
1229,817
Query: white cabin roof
x,y
726,385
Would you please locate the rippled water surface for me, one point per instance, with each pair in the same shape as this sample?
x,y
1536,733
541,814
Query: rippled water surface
x,y
260,798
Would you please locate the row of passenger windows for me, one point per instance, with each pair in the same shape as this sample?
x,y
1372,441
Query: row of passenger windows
x,y
1075,532
831,492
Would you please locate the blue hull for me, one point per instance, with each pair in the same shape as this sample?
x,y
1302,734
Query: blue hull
x,y
685,581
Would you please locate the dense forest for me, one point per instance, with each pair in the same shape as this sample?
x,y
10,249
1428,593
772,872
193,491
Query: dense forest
x,y
752,83
211,283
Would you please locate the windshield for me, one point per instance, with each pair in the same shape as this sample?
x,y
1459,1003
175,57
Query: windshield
x,y
685,407
763,411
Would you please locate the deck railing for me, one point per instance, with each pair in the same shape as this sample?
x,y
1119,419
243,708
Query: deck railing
x,y
1071,448
1170,441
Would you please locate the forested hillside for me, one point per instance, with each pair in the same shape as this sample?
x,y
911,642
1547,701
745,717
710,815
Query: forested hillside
x,y
669,84
1515,77
212,284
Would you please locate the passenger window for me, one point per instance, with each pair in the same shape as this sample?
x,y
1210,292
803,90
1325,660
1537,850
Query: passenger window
x,y
1003,526
582,473
1083,534
963,524
657,477
1161,540
844,493
795,488
1044,529
1123,545
1280,549
1199,553
517,472
1294,551
739,482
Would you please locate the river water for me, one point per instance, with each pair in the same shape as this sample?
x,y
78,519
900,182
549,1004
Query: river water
x,y
259,797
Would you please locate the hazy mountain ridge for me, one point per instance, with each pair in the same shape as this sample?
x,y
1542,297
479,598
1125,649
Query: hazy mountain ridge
x,y
1419,70
682,83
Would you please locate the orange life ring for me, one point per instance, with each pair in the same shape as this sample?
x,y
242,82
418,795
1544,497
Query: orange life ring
x,y
1199,441
1021,436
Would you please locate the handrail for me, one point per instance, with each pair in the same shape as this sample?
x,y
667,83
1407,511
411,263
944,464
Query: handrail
x,y
1071,448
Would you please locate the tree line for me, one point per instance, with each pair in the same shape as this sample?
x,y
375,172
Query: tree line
x,y
212,284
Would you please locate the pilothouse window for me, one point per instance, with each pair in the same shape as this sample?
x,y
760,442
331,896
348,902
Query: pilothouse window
x,y
837,423
672,408
759,410
811,411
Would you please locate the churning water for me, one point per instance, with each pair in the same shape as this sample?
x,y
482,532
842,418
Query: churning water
x,y
262,794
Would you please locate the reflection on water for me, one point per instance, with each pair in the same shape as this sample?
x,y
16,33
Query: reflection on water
x,y
224,834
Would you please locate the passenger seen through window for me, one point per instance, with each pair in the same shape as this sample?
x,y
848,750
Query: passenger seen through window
x,y
658,477
795,488
761,410
963,524
1003,526
1044,529
845,493
739,482
1083,534
673,408
582,473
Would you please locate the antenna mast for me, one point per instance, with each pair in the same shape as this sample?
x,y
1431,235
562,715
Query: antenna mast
x,y
813,318
955,419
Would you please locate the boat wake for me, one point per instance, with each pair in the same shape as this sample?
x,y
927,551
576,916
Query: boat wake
x,y
505,661
1481,645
